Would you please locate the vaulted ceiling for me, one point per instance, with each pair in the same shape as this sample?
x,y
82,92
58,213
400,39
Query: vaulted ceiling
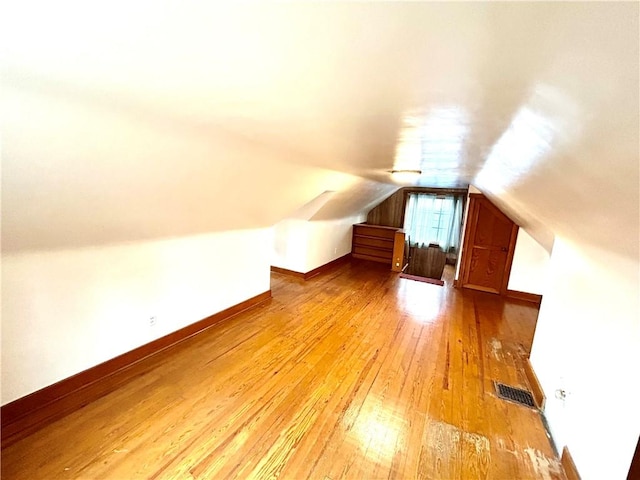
x,y
133,120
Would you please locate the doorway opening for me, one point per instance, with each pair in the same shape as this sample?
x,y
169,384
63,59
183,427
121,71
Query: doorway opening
x,y
432,225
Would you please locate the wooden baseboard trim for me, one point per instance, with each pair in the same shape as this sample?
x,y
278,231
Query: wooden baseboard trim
x,y
327,266
527,297
569,466
286,271
534,384
32,412
315,271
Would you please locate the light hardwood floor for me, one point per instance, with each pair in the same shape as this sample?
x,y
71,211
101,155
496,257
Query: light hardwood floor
x,y
355,373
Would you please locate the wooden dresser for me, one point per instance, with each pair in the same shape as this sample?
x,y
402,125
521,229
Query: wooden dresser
x,y
379,244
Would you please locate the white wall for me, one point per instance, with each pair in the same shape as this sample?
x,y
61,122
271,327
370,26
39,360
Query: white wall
x,y
301,245
587,342
329,239
530,265
64,311
290,245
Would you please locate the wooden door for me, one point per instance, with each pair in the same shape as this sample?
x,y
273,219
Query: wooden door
x,y
634,471
489,243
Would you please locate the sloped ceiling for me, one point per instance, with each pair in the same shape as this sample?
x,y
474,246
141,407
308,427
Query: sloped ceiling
x,y
132,120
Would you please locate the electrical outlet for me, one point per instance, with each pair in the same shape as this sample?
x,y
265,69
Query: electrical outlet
x,y
152,321
335,250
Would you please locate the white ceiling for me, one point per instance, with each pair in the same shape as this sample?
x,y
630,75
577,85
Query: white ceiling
x,y
132,120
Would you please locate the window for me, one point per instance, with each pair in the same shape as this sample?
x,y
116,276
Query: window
x,y
431,218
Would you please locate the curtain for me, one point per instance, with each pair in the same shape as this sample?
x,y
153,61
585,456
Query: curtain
x,y
433,218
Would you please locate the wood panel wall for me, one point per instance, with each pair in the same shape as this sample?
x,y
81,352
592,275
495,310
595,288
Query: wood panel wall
x,y
427,262
390,212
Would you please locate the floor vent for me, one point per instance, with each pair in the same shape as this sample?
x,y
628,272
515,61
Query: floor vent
x,y
516,395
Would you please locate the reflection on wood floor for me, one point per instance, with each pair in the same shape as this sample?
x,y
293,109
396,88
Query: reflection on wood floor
x,y
355,373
